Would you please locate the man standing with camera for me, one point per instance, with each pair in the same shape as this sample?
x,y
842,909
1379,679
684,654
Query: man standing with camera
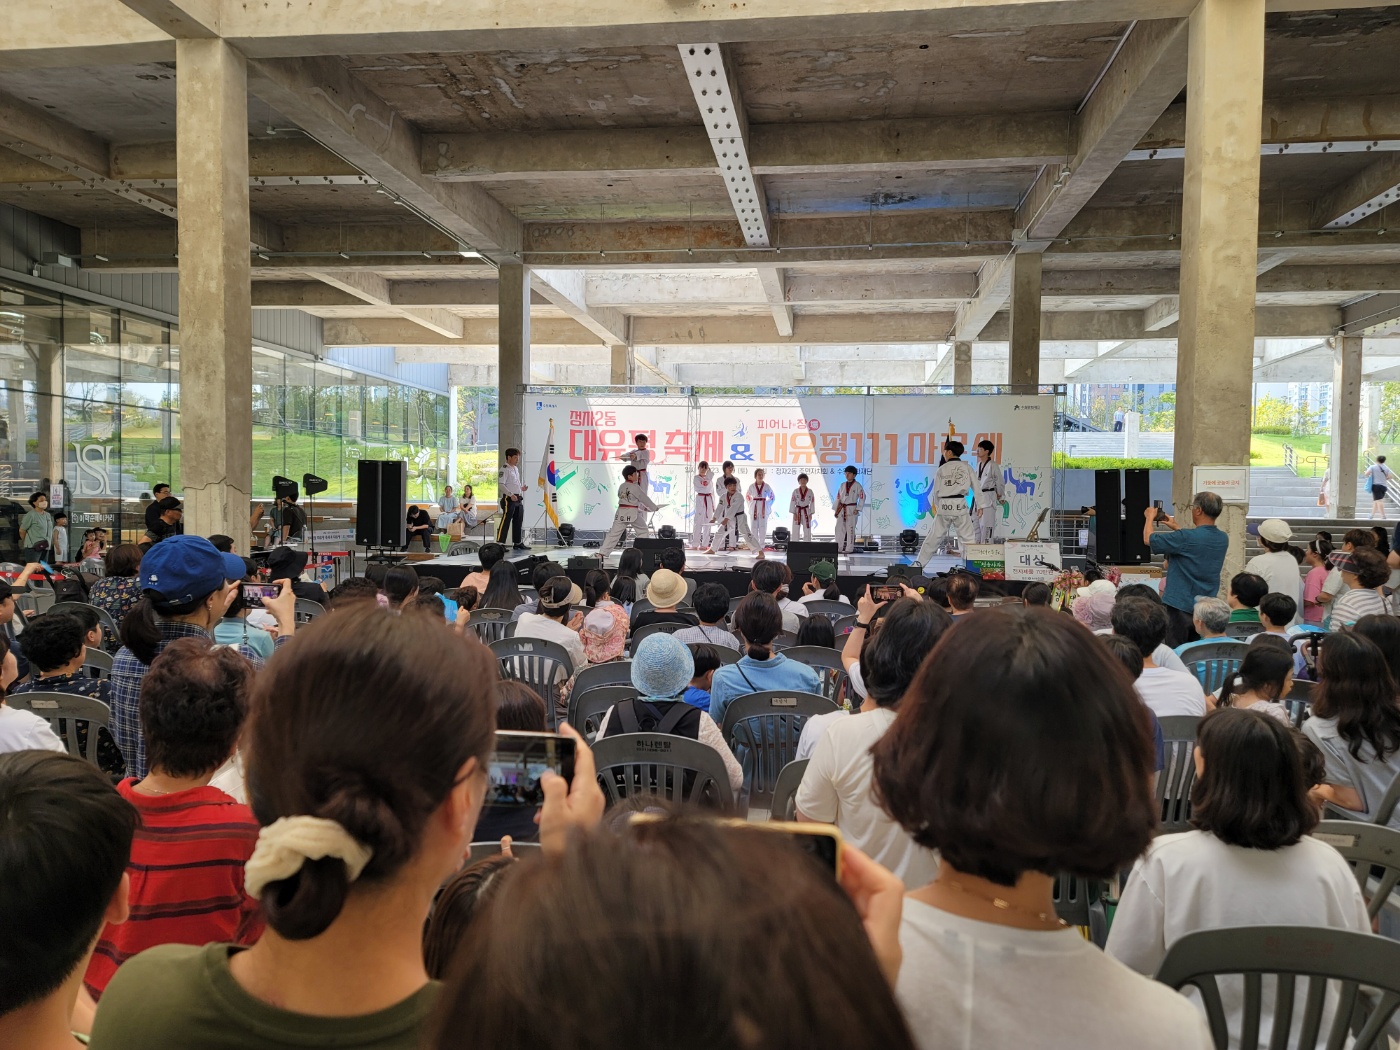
x,y
1195,559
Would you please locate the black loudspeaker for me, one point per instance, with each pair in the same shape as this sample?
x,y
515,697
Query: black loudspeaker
x,y
1137,497
1108,510
651,551
525,568
584,562
801,555
380,515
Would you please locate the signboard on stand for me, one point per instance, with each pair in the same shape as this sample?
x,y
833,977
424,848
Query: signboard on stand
x,y
989,559
1230,483
1033,561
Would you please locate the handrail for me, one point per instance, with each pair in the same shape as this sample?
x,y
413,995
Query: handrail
x,y
1314,460
1290,457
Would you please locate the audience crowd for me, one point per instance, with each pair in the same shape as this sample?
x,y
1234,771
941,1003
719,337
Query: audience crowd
x,y
270,842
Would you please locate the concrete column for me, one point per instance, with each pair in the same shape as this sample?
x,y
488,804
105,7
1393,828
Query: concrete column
x,y
216,310
620,373
514,353
453,437
1219,249
1025,320
1342,452
48,364
19,425
962,367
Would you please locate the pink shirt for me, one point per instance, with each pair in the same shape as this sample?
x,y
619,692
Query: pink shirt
x,y
1312,587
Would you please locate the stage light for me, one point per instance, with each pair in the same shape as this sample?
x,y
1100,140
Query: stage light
x,y
909,542
566,534
781,536
666,532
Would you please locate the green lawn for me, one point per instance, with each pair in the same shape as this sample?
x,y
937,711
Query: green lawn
x,y
1270,451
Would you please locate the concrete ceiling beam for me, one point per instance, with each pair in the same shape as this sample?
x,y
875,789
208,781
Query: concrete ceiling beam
x,y
354,123
567,289
1141,81
1354,123
774,283
1375,187
1375,315
292,156
64,33
374,289
1164,313
993,290
182,19
477,332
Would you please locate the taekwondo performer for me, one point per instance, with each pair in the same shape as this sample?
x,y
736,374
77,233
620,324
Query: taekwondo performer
x,y
632,505
704,484
990,496
729,516
760,496
951,484
850,501
800,506
640,458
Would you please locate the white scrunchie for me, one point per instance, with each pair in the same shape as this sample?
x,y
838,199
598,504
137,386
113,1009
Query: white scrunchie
x,y
288,843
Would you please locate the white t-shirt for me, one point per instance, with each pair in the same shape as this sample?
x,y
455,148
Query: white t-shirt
x,y
836,789
1170,693
820,596
813,730
535,625
1281,572
26,731
970,985
1193,881
1162,656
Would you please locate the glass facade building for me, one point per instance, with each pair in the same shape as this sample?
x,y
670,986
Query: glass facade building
x,y
90,394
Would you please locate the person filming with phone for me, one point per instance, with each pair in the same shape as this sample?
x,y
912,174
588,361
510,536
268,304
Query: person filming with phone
x,y
1195,559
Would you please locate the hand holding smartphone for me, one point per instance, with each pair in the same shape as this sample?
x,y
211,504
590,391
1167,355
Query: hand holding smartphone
x,y
519,762
254,593
886,593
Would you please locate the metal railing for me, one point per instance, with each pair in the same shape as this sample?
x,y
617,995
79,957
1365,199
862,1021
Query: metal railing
x,y
1294,461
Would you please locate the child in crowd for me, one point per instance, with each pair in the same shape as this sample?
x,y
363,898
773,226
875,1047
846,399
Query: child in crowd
x,y
697,693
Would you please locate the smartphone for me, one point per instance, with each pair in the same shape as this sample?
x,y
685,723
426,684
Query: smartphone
x,y
821,841
1161,514
254,593
518,762
886,593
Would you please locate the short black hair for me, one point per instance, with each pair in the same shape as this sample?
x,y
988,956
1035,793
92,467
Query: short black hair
x,y
1249,588
963,588
169,503
65,842
1253,792
60,515
642,437
431,585
705,657
1279,608
163,485
816,630
1125,652
511,452
730,479
954,447
629,471
51,640
490,553
1021,746
711,601
1138,590
222,542
36,497
1036,593
85,614
893,656
672,558
1142,622
354,589
544,572
803,477
194,699
850,470
768,576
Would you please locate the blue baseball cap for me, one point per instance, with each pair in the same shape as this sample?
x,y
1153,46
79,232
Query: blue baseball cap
x,y
180,569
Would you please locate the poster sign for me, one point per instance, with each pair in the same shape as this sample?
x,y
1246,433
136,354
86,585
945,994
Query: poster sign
x,y
1033,561
1230,483
989,559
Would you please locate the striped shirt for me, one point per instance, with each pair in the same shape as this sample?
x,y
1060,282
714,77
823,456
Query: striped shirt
x,y
186,878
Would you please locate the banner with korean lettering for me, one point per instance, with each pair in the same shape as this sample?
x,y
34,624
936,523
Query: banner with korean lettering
x,y
591,433
1020,427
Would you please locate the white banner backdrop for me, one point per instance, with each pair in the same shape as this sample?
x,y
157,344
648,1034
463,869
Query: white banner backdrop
x,y
893,441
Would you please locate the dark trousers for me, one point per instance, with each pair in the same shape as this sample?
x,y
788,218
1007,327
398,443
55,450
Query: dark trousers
x,y
1180,628
512,519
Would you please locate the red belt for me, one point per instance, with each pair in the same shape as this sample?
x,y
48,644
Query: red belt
x,y
804,514
629,506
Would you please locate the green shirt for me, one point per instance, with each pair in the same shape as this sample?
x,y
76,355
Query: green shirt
x,y
1244,616
36,525
182,996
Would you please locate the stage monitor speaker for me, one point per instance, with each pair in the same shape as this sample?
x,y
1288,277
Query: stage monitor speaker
x,y
1137,497
1108,511
651,551
525,568
380,507
801,555
584,562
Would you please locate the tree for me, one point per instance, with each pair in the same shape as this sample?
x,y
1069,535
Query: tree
x,y
1161,415
1389,416
1273,412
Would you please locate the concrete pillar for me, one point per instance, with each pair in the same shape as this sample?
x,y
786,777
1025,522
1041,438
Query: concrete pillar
x,y
216,310
620,373
1025,320
514,353
19,425
1219,249
48,365
1342,452
962,367
453,438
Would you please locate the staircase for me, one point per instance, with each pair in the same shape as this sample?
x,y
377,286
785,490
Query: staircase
x,y
1276,492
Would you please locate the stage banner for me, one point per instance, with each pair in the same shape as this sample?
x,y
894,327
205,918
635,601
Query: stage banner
x,y
904,454
590,433
788,436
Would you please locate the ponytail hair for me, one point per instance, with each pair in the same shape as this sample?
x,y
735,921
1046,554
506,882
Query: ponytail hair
x,y
759,620
832,592
595,585
140,628
319,746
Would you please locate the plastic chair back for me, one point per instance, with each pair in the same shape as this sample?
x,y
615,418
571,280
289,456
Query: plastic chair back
x,y
458,547
833,611
1245,629
845,624
831,672
762,729
1352,960
784,640
1178,774
613,672
1213,662
58,707
489,624
97,664
727,655
586,709
511,627
783,805
640,606
307,610
1366,847
656,628
542,665
1080,902
673,767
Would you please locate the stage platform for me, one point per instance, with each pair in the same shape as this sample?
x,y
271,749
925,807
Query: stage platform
x,y
730,569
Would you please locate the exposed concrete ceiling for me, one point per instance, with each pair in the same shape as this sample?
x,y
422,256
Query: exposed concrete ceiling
x,y
897,153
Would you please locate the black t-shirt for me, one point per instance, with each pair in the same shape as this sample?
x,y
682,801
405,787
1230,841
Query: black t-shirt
x,y
419,517
292,518
310,591
153,517
651,616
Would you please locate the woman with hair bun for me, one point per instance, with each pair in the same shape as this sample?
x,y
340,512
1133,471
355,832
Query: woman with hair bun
x,y
367,747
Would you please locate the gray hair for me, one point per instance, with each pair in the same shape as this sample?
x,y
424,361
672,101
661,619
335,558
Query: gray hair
x,y
1208,503
1213,613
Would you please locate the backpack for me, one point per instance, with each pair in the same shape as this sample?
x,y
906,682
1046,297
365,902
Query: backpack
x,y
675,717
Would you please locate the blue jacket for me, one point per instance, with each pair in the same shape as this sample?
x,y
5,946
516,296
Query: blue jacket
x,y
756,676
